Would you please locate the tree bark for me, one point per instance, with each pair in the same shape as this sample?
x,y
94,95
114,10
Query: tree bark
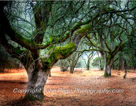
x,y
107,70
121,65
125,69
36,81
100,65
63,69
73,61
38,73
72,66
108,64
50,73
88,63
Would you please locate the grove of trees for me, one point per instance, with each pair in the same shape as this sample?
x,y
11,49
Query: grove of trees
x,y
40,33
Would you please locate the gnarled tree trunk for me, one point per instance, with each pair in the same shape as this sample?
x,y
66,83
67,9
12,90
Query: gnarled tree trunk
x,y
38,73
36,81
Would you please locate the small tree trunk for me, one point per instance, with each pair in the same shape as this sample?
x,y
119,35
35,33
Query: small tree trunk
x,y
120,65
125,73
88,64
71,69
36,82
50,73
88,67
125,66
3,68
63,69
72,66
107,71
101,66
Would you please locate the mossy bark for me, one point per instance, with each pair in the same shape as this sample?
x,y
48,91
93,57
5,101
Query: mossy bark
x,y
59,53
39,71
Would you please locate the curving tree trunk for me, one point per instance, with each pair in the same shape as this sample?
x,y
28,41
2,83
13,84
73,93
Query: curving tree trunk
x,y
39,68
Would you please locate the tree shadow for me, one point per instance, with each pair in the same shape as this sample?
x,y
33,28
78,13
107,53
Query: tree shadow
x,y
23,102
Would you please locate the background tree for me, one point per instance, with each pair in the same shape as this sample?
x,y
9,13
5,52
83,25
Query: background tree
x,y
88,56
63,64
98,62
112,34
73,59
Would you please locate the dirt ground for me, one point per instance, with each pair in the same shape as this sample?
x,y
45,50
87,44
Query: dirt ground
x,y
83,88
